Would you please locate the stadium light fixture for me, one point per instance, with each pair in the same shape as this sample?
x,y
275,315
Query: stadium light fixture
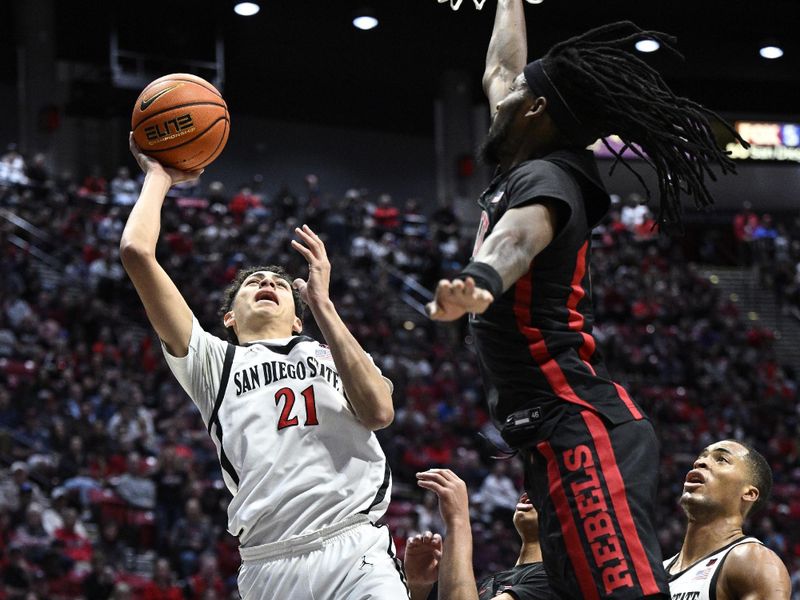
x,y
246,9
771,52
365,22
647,46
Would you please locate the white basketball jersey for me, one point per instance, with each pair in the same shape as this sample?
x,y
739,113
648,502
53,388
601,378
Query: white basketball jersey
x,y
699,581
292,452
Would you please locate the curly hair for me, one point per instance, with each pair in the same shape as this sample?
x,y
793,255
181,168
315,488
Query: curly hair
x,y
230,292
612,91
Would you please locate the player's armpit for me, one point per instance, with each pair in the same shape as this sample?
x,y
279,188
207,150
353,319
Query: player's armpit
x,y
166,308
505,596
753,572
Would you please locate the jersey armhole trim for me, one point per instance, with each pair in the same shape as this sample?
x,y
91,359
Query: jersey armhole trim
x,y
223,383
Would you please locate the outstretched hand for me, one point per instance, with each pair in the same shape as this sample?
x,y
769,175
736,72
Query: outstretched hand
x,y
421,562
314,291
455,298
452,494
150,165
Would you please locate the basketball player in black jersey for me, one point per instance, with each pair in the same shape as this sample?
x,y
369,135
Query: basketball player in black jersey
x,y
728,482
591,454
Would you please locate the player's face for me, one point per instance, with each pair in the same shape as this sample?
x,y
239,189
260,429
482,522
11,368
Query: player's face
x,y
507,122
718,480
264,295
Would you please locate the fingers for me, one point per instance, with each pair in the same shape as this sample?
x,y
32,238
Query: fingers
x,y
438,480
311,239
421,540
312,247
307,254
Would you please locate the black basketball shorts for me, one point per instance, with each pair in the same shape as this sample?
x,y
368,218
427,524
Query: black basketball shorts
x,y
594,486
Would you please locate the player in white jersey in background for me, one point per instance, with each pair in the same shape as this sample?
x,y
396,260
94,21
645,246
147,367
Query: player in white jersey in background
x,y
292,419
728,481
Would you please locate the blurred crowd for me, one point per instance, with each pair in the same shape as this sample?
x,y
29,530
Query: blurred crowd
x,y
109,484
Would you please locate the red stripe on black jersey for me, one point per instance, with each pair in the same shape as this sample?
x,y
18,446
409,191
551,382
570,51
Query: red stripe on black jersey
x,y
576,320
536,344
616,490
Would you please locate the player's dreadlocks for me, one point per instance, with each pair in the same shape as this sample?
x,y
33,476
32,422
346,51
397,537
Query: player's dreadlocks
x,y
611,91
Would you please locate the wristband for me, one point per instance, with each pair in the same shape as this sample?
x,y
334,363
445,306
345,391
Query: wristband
x,y
485,276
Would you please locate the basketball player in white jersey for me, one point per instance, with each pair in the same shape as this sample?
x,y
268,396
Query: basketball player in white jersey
x,y
292,419
717,561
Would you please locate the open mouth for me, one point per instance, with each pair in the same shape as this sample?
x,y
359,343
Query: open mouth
x,y
695,476
266,296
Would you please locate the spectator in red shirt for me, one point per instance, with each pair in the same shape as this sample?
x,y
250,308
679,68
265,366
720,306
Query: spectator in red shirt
x,y
163,585
206,580
386,215
76,546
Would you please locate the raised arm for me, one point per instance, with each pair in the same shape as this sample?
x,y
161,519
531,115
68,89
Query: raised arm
x,y
508,51
367,391
456,576
166,309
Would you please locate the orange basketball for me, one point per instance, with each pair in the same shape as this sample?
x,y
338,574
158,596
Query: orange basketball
x,y
182,121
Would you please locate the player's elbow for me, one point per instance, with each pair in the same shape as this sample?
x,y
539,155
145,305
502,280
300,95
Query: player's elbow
x,y
133,253
380,418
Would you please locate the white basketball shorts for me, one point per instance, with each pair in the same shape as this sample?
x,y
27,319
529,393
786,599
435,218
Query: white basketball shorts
x,y
352,560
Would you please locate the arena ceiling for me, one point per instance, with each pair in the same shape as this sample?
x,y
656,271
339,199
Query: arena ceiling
x,y
303,60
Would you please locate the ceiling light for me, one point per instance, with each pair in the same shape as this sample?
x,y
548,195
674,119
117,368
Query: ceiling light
x,y
771,52
647,45
535,1
246,9
365,22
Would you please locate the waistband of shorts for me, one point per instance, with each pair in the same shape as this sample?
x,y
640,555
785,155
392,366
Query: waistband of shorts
x,y
302,544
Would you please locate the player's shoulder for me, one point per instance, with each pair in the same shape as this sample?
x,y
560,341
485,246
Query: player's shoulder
x,y
751,551
751,566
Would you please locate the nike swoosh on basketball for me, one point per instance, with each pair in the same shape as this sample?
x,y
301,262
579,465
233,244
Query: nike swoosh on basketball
x,y
151,99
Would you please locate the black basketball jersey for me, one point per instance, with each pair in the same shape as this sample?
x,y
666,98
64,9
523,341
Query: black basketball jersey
x,y
535,343
524,582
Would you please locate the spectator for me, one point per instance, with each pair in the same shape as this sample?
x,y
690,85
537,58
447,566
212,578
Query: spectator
x,y
124,189
386,215
206,583
99,582
191,536
162,587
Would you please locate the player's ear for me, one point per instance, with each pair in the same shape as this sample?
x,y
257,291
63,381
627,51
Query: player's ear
x,y
229,320
750,494
297,325
537,108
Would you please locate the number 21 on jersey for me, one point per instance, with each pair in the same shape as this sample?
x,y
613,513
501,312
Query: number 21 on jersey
x,y
287,396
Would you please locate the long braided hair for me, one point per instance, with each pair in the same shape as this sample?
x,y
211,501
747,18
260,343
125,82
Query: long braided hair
x,y
612,91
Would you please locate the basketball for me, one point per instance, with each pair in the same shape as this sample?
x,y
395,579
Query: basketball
x,y
181,121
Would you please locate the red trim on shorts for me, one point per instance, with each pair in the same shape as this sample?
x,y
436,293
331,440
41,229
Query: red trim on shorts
x,y
575,320
623,394
569,529
616,491
536,344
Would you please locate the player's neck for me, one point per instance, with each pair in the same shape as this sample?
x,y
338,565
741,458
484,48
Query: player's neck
x,y
530,552
268,331
529,150
703,537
